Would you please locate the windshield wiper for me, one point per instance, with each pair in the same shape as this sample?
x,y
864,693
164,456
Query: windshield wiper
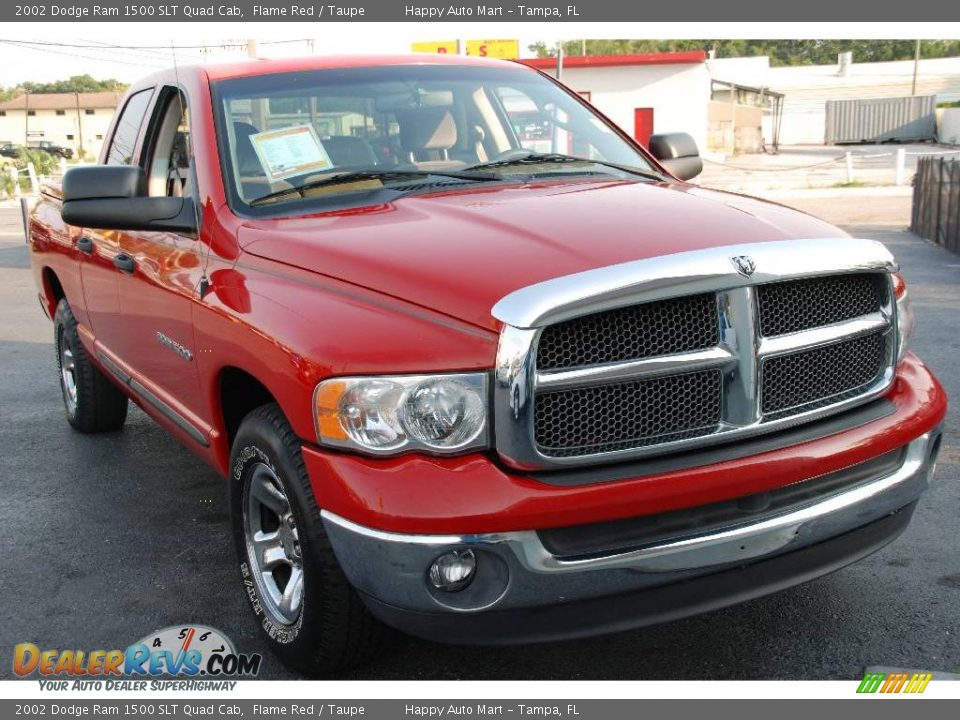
x,y
534,158
345,178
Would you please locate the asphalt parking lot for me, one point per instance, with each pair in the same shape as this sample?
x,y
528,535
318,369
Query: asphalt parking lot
x,y
105,539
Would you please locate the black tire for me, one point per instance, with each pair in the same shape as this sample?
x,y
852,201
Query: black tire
x,y
333,630
94,404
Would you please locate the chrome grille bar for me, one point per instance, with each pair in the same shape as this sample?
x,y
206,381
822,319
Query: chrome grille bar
x,y
806,339
738,330
635,369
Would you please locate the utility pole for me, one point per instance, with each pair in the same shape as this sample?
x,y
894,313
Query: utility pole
x,y
76,96
252,49
26,117
916,68
559,59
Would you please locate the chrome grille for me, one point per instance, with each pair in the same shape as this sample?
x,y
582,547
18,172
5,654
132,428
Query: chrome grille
x,y
818,377
601,418
650,330
683,351
788,307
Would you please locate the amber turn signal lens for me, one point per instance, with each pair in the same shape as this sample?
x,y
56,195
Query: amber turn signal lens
x,y
327,410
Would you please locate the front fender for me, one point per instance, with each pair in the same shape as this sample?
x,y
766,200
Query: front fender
x,y
290,329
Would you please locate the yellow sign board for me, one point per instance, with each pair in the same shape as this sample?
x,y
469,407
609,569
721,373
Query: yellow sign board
x,y
502,49
442,47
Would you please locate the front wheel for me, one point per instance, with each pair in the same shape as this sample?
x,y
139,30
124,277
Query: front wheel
x,y
312,617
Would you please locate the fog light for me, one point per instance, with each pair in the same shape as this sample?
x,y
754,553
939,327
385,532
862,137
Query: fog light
x,y
454,570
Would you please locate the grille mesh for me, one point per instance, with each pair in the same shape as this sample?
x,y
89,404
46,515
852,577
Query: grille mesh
x,y
642,331
804,304
603,418
821,376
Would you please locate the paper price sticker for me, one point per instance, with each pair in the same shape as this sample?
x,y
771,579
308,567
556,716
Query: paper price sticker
x,y
290,151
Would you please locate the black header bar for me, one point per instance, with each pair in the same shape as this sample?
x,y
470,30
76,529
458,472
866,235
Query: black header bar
x,y
419,11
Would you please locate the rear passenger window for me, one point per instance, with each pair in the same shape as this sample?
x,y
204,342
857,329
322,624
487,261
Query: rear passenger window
x,y
128,128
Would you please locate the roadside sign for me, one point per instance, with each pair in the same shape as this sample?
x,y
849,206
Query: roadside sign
x,y
503,49
440,47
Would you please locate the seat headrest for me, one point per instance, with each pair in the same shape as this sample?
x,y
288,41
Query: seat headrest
x,y
247,161
427,129
348,150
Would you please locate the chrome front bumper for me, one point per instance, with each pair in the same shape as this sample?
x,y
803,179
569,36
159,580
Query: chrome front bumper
x,y
516,571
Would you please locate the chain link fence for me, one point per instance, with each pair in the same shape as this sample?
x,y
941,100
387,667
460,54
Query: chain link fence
x,y
936,201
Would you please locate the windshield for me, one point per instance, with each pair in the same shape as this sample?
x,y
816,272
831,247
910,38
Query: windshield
x,y
285,137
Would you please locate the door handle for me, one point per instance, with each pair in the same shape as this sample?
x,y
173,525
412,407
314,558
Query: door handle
x,y
124,262
85,245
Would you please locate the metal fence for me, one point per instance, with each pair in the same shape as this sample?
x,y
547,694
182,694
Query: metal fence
x,y
881,119
936,201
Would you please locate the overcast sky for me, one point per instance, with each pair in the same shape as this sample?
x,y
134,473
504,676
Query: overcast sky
x,y
55,62
28,57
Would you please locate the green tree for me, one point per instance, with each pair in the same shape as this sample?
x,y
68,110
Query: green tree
x,y
781,52
76,83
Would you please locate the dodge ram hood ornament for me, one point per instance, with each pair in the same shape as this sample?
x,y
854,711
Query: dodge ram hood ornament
x,y
744,264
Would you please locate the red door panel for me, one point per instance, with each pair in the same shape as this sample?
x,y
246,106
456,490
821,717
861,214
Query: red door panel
x,y
156,314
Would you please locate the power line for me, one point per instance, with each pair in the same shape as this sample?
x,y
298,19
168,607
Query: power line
x,y
28,46
154,47
150,54
183,57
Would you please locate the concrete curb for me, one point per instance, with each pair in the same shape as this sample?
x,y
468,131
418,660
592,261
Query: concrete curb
x,y
819,193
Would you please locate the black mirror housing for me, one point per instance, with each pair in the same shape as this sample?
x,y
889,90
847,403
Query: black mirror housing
x,y
678,153
99,182
114,197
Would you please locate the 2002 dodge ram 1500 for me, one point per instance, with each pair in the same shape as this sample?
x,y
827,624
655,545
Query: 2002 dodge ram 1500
x,y
475,364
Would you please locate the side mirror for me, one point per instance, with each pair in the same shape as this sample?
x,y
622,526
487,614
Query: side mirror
x,y
114,197
678,153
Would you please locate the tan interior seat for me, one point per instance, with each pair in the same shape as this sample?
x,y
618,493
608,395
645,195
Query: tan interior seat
x,y
427,135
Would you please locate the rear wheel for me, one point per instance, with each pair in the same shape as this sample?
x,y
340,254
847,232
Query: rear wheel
x,y
92,402
312,617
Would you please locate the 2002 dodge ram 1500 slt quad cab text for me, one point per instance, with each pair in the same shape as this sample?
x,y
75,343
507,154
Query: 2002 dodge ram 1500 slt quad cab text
x,y
476,364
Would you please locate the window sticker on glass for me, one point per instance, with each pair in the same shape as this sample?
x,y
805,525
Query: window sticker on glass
x,y
290,151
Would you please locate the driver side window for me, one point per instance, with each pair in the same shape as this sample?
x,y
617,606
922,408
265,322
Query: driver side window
x,y
168,167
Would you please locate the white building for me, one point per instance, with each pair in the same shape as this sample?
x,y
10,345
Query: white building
x,y
808,87
643,94
73,120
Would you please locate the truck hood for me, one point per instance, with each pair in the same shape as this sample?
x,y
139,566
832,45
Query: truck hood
x,y
459,252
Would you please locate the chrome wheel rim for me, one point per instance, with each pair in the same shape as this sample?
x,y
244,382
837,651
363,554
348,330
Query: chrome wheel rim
x,y
68,371
273,545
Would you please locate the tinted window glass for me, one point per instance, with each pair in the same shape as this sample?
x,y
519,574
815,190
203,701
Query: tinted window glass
x,y
128,128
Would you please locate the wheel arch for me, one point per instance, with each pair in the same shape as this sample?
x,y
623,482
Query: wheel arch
x,y
53,291
239,392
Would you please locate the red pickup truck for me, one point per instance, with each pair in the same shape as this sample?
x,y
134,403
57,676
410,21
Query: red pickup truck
x,y
480,385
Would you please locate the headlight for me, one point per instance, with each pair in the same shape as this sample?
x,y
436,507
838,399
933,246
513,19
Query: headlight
x,y
905,319
385,415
